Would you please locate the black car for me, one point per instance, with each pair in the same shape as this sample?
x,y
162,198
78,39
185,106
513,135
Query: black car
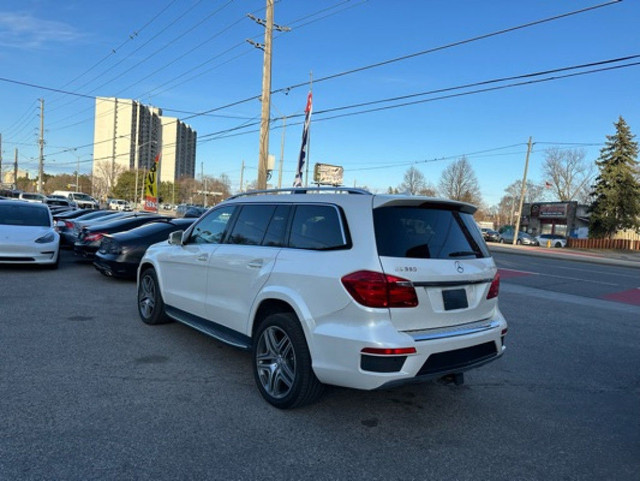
x,y
490,235
119,254
66,223
73,227
90,237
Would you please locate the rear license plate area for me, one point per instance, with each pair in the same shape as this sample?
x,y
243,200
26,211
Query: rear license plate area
x,y
455,299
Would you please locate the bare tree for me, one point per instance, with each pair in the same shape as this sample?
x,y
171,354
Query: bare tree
x,y
510,202
105,177
568,173
413,182
459,182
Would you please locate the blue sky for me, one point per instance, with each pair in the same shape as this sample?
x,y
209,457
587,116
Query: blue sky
x,y
191,56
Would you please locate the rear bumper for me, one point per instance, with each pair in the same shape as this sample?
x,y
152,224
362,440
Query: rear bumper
x,y
115,269
338,360
87,251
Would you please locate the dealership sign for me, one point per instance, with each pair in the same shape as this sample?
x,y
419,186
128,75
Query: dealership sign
x,y
326,174
555,210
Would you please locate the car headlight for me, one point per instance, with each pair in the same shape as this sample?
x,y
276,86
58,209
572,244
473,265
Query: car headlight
x,y
46,239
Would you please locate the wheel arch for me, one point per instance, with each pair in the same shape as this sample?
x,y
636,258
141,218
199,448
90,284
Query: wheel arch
x,y
275,300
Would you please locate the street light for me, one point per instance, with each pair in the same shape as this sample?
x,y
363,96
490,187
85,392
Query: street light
x,y
75,152
284,129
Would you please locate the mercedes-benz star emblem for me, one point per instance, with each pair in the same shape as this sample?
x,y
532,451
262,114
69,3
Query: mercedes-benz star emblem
x,y
459,267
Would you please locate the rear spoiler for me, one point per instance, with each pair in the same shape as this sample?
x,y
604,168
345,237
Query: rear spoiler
x,y
419,201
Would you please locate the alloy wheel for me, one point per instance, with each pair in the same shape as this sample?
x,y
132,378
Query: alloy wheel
x,y
147,297
276,362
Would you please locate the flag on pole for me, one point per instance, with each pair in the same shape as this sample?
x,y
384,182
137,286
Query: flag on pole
x,y
547,184
305,140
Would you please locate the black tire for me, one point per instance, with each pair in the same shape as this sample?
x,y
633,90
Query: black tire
x,y
282,363
558,244
150,303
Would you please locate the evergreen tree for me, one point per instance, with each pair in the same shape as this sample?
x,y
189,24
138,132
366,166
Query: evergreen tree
x,y
616,192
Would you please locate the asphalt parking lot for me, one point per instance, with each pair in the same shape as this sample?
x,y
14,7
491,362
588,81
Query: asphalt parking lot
x,y
90,392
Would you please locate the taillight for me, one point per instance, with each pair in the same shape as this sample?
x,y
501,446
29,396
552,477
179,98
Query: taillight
x,y
494,288
96,236
68,224
375,289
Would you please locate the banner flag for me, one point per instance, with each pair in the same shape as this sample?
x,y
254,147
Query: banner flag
x,y
151,187
305,140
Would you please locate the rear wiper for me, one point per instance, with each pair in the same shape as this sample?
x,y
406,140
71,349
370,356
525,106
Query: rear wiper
x,y
463,254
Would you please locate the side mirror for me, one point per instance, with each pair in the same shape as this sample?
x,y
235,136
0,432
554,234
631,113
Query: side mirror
x,y
175,238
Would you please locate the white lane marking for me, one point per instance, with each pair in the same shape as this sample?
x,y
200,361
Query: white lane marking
x,y
566,278
591,271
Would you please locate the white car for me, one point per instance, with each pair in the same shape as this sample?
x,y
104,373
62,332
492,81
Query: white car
x,y
27,235
120,204
32,197
334,286
552,240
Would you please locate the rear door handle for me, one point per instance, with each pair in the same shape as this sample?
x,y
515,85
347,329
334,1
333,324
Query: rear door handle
x,y
203,257
256,263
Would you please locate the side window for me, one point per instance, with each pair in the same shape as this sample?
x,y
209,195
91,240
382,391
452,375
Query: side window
x,y
317,227
277,227
211,228
251,225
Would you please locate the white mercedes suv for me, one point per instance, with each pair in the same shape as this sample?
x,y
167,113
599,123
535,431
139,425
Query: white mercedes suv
x,y
332,286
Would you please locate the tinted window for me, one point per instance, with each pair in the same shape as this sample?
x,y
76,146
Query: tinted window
x,y
317,227
277,227
426,233
211,228
24,215
251,225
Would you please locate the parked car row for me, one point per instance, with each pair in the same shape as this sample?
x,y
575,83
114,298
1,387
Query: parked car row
x,y
506,237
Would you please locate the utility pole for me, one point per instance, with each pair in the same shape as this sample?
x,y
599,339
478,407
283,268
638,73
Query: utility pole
x,y
204,184
523,190
78,175
15,168
242,177
41,163
113,148
284,129
263,156
1,179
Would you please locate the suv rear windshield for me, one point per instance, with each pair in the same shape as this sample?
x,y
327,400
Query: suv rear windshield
x,y
425,232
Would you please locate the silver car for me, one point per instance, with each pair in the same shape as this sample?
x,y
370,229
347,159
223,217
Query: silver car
x,y
523,238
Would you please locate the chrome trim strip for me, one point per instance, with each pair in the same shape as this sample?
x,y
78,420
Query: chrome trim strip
x,y
453,331
452,283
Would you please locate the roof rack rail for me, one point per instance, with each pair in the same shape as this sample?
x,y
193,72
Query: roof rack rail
x,y
303,190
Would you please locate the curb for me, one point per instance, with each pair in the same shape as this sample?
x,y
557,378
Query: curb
x,y
569,254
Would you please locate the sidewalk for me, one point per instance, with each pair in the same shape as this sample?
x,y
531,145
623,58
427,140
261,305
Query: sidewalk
x,y
612,257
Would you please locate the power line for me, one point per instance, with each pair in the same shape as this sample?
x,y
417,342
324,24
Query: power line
x,y
175,20
423,52
450,45
459,87
113,51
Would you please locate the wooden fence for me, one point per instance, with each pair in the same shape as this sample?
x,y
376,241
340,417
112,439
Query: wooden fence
x,y
619,244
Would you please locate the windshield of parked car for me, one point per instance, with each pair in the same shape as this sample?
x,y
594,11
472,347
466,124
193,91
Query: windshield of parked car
x,y
425,232
82,197
24,215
